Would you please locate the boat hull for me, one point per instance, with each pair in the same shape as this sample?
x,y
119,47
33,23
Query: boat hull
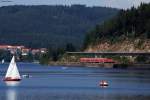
x,y
11,79
103,83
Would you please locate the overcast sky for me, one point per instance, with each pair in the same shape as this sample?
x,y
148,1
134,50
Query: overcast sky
x,y
108,3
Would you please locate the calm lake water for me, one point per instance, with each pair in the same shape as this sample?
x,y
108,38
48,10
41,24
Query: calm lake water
x,y
75,83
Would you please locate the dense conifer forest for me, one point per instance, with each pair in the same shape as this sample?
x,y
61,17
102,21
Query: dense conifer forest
x,y
130,23
44,26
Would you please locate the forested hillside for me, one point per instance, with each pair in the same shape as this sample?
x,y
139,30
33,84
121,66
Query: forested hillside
x,y
42,26
129,29
129,24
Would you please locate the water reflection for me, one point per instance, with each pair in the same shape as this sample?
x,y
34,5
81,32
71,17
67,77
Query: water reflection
x,y
12,83
11,94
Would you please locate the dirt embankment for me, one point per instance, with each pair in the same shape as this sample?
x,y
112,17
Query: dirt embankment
x,y
127,45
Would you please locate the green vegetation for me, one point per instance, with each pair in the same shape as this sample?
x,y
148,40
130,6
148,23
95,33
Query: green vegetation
x,y
56,54
142,59
44,26
6,55
131,23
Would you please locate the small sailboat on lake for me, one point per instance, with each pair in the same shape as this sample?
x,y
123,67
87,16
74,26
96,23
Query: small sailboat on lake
x,y
103,83
12,73
3,61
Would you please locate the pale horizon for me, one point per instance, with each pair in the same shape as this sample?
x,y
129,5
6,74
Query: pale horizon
x,y
121,4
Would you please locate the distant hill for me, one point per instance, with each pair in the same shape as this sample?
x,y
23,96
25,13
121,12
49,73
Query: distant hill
x,y
42,26
128,31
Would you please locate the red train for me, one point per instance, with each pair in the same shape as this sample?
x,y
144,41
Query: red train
x,y
96,60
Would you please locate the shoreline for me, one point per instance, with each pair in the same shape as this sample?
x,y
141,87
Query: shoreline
x,y
101,65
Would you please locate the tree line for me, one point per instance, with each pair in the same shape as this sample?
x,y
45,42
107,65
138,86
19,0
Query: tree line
x,y
130,23
42,26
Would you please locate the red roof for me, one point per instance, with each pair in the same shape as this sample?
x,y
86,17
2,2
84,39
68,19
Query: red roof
x,y
10,46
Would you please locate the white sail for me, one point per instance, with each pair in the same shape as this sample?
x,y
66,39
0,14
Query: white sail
x,y
3,61
12,71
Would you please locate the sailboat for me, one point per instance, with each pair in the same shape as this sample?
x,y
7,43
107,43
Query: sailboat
x,y
12,73
3,61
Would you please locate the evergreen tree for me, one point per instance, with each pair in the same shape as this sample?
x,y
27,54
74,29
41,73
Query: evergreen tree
x,y
132,23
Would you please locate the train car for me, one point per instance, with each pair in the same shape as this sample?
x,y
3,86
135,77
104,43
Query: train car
x,y
96,60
